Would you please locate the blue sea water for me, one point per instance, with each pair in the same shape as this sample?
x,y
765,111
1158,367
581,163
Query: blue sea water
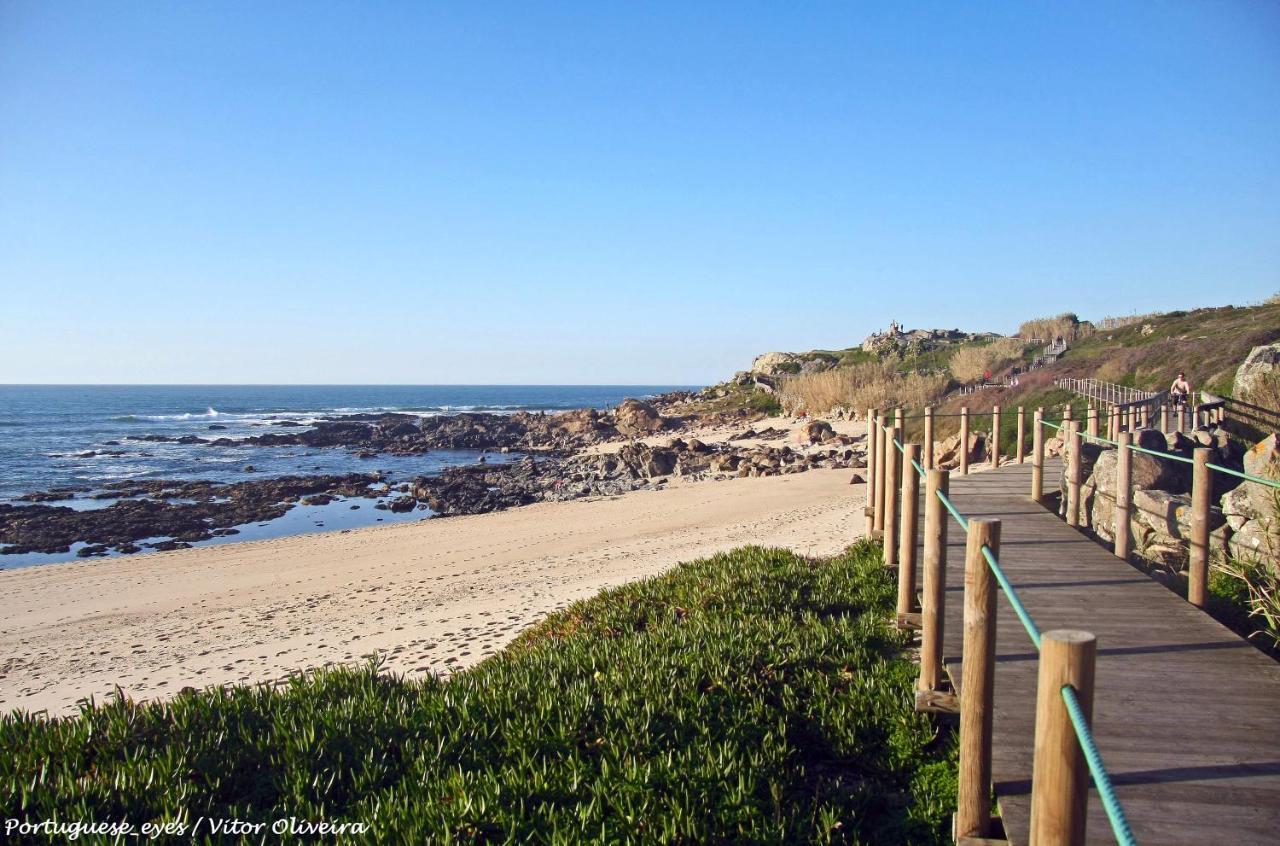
x,y
48,431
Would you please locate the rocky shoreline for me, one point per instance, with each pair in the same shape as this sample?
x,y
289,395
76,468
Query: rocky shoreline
x,y
558,464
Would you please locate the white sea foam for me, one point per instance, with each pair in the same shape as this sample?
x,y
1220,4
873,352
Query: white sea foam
x,y
207,413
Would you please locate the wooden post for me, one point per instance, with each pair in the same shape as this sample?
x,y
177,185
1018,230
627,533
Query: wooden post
x,y
1037,456
1124,496
892,464
1093,421
1060,775
882,437
933,604
873,428
1164,418
995,437
977,686
907,533
964,441
1201,494
1074,473
928,439
1066,414
1115,421
897,422
1022,433
1145,417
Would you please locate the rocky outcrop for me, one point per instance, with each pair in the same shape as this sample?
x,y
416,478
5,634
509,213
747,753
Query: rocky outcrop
x,y
182,512
477,489
636,418
399,434
775,363
1262,364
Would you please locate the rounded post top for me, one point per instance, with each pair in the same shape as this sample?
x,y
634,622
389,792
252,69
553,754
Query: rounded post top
x,y
1071,637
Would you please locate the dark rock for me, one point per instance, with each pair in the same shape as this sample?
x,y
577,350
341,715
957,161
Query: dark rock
x,y
183,511
402,504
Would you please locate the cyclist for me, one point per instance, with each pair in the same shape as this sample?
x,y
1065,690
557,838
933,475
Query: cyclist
x,y
1180,390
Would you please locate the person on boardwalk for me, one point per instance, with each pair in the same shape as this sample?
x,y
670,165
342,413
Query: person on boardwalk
x,y
1180,390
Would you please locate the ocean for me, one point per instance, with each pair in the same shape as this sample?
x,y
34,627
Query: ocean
x,y
54,436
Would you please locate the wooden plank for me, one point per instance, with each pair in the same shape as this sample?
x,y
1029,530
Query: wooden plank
x,y
1185,711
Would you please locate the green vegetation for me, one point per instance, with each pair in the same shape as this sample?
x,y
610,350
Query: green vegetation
x,y
764,402
1207,343
754,697
735,398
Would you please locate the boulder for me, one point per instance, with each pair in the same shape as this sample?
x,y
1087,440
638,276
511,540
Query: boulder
x,y
1167,516
815,432
1179,443
635,418
1089,454
643,462
1238,508
1261,364
1263,460
1257,539
946,453
583,423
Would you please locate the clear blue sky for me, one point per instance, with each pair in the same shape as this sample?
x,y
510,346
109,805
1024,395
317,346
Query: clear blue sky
x,y
610,193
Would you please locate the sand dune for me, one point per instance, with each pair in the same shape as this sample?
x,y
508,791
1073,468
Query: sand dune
x,y
429,596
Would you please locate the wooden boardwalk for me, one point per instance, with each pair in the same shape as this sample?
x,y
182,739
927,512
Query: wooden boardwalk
x,y
1186,712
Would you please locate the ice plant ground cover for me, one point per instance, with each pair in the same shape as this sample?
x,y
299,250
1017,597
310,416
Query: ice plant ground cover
x,y
753,697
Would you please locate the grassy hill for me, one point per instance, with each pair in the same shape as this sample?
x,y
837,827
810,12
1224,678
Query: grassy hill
x,y
1208,343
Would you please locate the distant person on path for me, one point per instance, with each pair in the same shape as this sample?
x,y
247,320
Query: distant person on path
x,y
1180,390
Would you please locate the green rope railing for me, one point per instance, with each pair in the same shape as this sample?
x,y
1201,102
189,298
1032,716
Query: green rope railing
x,y
951,506
1101,779
1248,477
1159,454
1033,631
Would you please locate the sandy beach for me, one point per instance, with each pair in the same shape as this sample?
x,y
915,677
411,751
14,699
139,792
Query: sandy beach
x,y
429,597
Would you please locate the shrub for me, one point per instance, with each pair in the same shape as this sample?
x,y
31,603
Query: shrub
x,y
970,362
870,385
1065,325
756,696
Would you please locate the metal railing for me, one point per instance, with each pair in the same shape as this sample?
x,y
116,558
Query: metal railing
x,y
1109,393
